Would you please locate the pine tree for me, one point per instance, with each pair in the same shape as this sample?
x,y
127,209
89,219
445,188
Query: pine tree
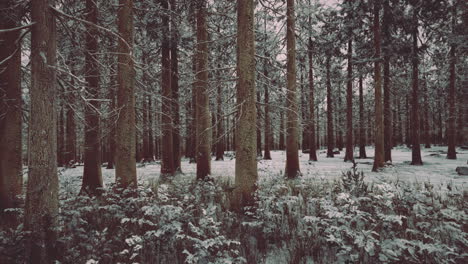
x,y
379,125
246,149
292,130
125,133
203,120
92,176
11,179
42,206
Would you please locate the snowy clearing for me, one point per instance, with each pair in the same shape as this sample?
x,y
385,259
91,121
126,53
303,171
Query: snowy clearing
x,y
436,169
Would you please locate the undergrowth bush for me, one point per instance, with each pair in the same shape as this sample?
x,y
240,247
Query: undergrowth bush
x,y
305,220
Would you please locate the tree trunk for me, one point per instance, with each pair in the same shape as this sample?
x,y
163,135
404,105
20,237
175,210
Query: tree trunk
x,y
330,140
219,123
246,144
92,177
281,143
379,124
60,133
175,88
338,112
150,129
41,209
451,131
268,135
416,148
427,136
125,133
167,143
312,143
292,127
362,129
203,123
259,130
11,177
111,136
388,133
349,99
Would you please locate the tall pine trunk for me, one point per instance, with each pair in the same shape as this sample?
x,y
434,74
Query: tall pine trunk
x,y
42,207
246,140
451,131
175,88
11,177
167,140
362,129
219,123
203,154
388,127
292,123
379,124
125,132
92,176
330,140
312,143
268,134
349,97
416,148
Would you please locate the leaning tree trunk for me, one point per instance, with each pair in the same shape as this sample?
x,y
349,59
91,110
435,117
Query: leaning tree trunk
x,y
246,163
451,131
203,123
42,207
11,178
379,124
312,143
330,140
416,148
92,177
125,133
292,124
388,127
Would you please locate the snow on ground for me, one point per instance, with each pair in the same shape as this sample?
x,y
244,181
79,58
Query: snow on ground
x,y
436,169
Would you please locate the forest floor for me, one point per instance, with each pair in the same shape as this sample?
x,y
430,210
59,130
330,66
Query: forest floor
x,y
436,169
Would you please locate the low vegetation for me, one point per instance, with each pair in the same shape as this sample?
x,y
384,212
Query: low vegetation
x,y
294,221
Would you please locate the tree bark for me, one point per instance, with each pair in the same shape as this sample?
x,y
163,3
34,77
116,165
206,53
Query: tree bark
x,y
268,135
11,177
41,209
125,162
312,143
379,124
292,124
167,143
175,88
349,97
416,148
451,131
388,128
92,176
281,144
330,140
219,124
203,123
362,129
246,143
259,125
